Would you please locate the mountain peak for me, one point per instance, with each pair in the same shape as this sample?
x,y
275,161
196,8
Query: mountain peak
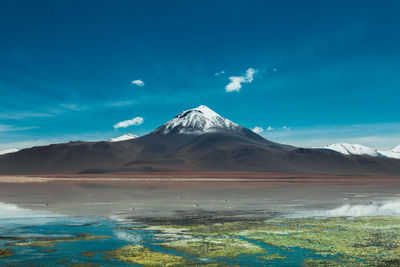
x,y
205,110
197,121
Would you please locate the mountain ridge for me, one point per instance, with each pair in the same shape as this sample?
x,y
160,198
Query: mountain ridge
x,y
195,140
357,149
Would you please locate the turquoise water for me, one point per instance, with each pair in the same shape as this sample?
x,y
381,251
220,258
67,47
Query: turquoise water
x,y
61,227
70,252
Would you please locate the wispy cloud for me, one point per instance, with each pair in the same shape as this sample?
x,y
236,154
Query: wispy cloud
x,y
23,115
269,128
138,82
10,128
219,73
73,107
121,103
258,130
127,123
236,81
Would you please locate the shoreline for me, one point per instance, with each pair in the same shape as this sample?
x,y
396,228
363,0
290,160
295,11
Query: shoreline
x,y
204,177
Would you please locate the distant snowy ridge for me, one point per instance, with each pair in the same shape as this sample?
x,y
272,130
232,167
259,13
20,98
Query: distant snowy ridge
x,y
393,153
356,149
353,149
6,151
197,121
123,137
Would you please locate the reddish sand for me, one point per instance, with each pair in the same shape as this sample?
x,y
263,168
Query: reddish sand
x,y
233,177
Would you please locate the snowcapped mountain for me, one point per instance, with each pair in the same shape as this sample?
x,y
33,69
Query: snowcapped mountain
x,y
197,121
197,140
393,153
6,151
355,149
123,137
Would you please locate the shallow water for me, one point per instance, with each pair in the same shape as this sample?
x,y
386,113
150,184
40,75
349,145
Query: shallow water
x,y
56,211
54,227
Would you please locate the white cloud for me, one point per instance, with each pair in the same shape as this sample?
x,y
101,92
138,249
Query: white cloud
x,y
219,73
257,129
23,115
9,128
121,103
236,81
127,123
286,128
73,107
269,129
138,82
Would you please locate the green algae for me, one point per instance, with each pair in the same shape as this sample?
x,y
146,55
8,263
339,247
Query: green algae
x,y
50,241
84,264
43,243
351,241
215,247
372,239
61,261
271,257
48,250
13,237
140,255
326,263
88,253
5,252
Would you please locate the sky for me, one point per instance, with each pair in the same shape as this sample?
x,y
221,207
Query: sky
x,y
306,73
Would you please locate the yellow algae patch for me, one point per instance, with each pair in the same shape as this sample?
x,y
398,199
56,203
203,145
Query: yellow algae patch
x,y
45,243
5,252
49,242
84,264
215,247
144,256
372,239
272,257
88,253
352,240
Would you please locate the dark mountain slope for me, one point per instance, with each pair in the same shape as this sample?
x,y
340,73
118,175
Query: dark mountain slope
x,y
196,140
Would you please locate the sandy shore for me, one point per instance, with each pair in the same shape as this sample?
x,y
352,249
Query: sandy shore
x,y
205,177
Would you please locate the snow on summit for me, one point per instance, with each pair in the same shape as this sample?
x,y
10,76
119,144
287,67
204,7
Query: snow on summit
x,y
355,149
196,121
393,153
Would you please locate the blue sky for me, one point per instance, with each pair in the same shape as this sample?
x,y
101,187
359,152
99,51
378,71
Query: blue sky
x,y
325,71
